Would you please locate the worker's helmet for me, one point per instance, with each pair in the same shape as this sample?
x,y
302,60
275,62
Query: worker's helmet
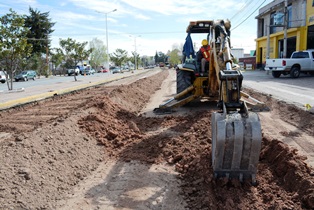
x,y
204,42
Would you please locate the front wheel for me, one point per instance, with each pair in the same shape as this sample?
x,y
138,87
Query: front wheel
x,y
184,81
276,74
295,72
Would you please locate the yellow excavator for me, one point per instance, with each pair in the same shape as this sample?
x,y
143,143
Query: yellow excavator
x,y
236,131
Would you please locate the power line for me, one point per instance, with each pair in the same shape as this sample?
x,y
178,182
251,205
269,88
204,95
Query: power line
x,y
241,9
249,15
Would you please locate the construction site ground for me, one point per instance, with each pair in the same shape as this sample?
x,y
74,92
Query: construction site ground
x,y
103,148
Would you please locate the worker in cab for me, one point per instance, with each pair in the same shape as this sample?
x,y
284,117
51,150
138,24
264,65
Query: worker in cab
x,y
204,54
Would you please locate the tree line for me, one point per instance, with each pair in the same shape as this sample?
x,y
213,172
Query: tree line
x,y
25,44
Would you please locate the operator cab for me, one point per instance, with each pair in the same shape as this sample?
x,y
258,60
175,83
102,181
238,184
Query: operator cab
x,y
192,60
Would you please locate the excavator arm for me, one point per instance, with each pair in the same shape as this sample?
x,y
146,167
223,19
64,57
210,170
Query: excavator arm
x,y
236,131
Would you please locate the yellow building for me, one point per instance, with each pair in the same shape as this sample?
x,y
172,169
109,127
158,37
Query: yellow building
x,y
272,27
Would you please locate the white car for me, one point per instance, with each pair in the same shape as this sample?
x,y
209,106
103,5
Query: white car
x,y
92,71
3,79
73,71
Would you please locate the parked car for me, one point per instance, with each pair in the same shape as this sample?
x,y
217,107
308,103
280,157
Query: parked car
x,y
88,70
3,79
92,71
103,70
73,70
116,70
25,75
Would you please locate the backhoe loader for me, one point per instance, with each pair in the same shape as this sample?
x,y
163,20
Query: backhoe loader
x,y
236,131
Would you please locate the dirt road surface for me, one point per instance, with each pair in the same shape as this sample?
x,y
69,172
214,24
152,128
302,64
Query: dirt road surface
x,y
103,148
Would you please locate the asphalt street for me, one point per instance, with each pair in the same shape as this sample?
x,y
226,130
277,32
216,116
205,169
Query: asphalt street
x,y
25,92
299,91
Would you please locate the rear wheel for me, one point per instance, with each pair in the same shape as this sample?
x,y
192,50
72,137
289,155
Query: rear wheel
x,y
183,81
276,74
295,72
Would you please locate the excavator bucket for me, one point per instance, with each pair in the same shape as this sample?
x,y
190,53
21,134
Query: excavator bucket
x,y
236,145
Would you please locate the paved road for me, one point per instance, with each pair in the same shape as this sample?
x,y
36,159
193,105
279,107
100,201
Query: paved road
x,y
299,91
25,92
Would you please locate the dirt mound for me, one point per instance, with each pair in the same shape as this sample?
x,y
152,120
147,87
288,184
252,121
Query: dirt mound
x,y
61,141
289,113
184,141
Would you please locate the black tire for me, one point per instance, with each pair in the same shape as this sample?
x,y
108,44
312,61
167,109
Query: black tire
x,y
276,74
183,81
295,72
25,79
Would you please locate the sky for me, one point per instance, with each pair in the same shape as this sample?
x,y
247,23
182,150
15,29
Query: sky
x,y
147,26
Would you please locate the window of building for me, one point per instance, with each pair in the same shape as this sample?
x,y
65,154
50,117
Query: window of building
x,y
289,13
261,28
310,37
272,22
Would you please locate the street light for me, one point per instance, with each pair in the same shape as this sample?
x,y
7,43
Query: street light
x,y
135,52
106,13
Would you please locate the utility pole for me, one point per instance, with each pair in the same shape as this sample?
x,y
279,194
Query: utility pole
x,y
285,29
135,52
47,58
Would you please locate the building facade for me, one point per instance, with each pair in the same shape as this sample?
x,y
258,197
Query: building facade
x,y
290,19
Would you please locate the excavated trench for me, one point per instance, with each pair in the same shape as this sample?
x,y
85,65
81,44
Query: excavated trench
x,y
50,147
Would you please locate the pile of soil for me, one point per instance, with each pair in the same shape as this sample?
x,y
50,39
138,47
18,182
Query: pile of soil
x,y
47,152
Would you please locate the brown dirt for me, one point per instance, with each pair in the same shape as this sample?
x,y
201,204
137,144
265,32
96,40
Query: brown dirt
x,y
52,152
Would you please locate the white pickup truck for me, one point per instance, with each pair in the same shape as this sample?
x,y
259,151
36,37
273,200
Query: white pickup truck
x,y
299,62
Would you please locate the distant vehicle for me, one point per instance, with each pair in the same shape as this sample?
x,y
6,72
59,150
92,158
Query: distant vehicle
x,y
3,79
126,68
116,70
73,71
92,71
299,62
103,70
87,70
25,75
161,64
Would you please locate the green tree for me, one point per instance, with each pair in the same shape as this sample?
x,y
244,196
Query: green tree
x,y
13,44
135,59
118,57
161,57
98,55
56,59
174,57
156,58
40,27
73,52
38,63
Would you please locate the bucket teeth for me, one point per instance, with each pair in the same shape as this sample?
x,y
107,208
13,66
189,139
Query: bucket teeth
x,y
236,145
